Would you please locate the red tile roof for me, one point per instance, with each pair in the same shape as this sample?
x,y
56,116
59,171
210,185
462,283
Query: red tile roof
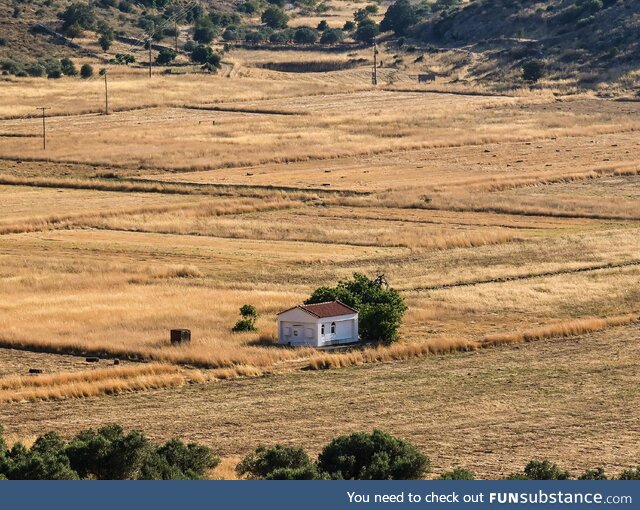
x,y
328,309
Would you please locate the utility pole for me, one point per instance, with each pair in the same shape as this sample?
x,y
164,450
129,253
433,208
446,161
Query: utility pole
x,y
44,126
106,95
149,57
175,27
374,74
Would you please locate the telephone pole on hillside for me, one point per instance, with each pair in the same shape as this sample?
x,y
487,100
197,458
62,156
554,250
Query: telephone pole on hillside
x,y
149,57
374,73
44,126
106,95
175,27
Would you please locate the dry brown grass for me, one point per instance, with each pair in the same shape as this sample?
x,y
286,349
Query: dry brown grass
x,y
105,381
408,350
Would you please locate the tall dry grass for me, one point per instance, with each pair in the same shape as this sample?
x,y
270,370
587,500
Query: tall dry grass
x,y
409,350
105,381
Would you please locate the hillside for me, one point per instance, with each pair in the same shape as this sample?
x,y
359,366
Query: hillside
x,y
589,42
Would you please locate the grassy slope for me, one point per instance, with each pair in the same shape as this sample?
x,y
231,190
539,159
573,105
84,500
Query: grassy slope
x,y
589,50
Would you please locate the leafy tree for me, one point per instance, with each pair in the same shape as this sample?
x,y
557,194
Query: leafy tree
x,y
367,31
77,17
533,70
201,54
124,58
348,26
166,56
332,36
274,17
86,71
322,26
593,474
372,456
204,31
305,35
36,69
380,309
249,7
106,36
544,470
458,474
278,463
230,34
67,67
399,17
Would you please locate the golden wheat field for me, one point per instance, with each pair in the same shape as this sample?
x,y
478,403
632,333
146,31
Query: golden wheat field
x,y
511,226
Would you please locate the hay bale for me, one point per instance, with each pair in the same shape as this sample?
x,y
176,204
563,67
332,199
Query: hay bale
x,y
180,336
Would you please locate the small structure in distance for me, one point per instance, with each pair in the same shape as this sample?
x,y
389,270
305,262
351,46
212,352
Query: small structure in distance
x,y
318,325
426,77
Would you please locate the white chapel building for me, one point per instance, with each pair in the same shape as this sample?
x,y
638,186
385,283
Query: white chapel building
x,y
318,325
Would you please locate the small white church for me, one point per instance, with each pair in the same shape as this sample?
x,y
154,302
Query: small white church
x,y
318,325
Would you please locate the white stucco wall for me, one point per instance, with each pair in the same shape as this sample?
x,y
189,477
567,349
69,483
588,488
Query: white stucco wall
x,y
309,329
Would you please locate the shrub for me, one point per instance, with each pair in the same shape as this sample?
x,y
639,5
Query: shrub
x,y
230,34
399,17
380,308
54,73
322,26
593,474
86,71
348,26
204,34
124,58
189,46
332,36
458,474
201,54
36,70
305,35
544,470
249,7
278,463
166,56
630,474
372,456
67,67
76,18
532,70
248,311
274,17
367,31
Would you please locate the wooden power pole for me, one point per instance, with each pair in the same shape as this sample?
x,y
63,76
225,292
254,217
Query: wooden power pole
x,y
44,126
175,29
149,57
106,95
374,73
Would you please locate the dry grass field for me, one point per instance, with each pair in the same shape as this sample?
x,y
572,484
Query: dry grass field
x,y
511,226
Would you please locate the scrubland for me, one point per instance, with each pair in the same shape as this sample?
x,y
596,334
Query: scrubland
x,y
511,226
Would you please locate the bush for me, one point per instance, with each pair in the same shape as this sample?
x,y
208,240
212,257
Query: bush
x,y
124,58
380,308
166,56
67,67
458,474
322,26
372,456
348,26
204,34
249,7
332,36
399,17
189,46
630,474
76,18
593,474
544,470
230,34
86,71
36,70
274,17
367,31
305,35
278,463
201,54
533,70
